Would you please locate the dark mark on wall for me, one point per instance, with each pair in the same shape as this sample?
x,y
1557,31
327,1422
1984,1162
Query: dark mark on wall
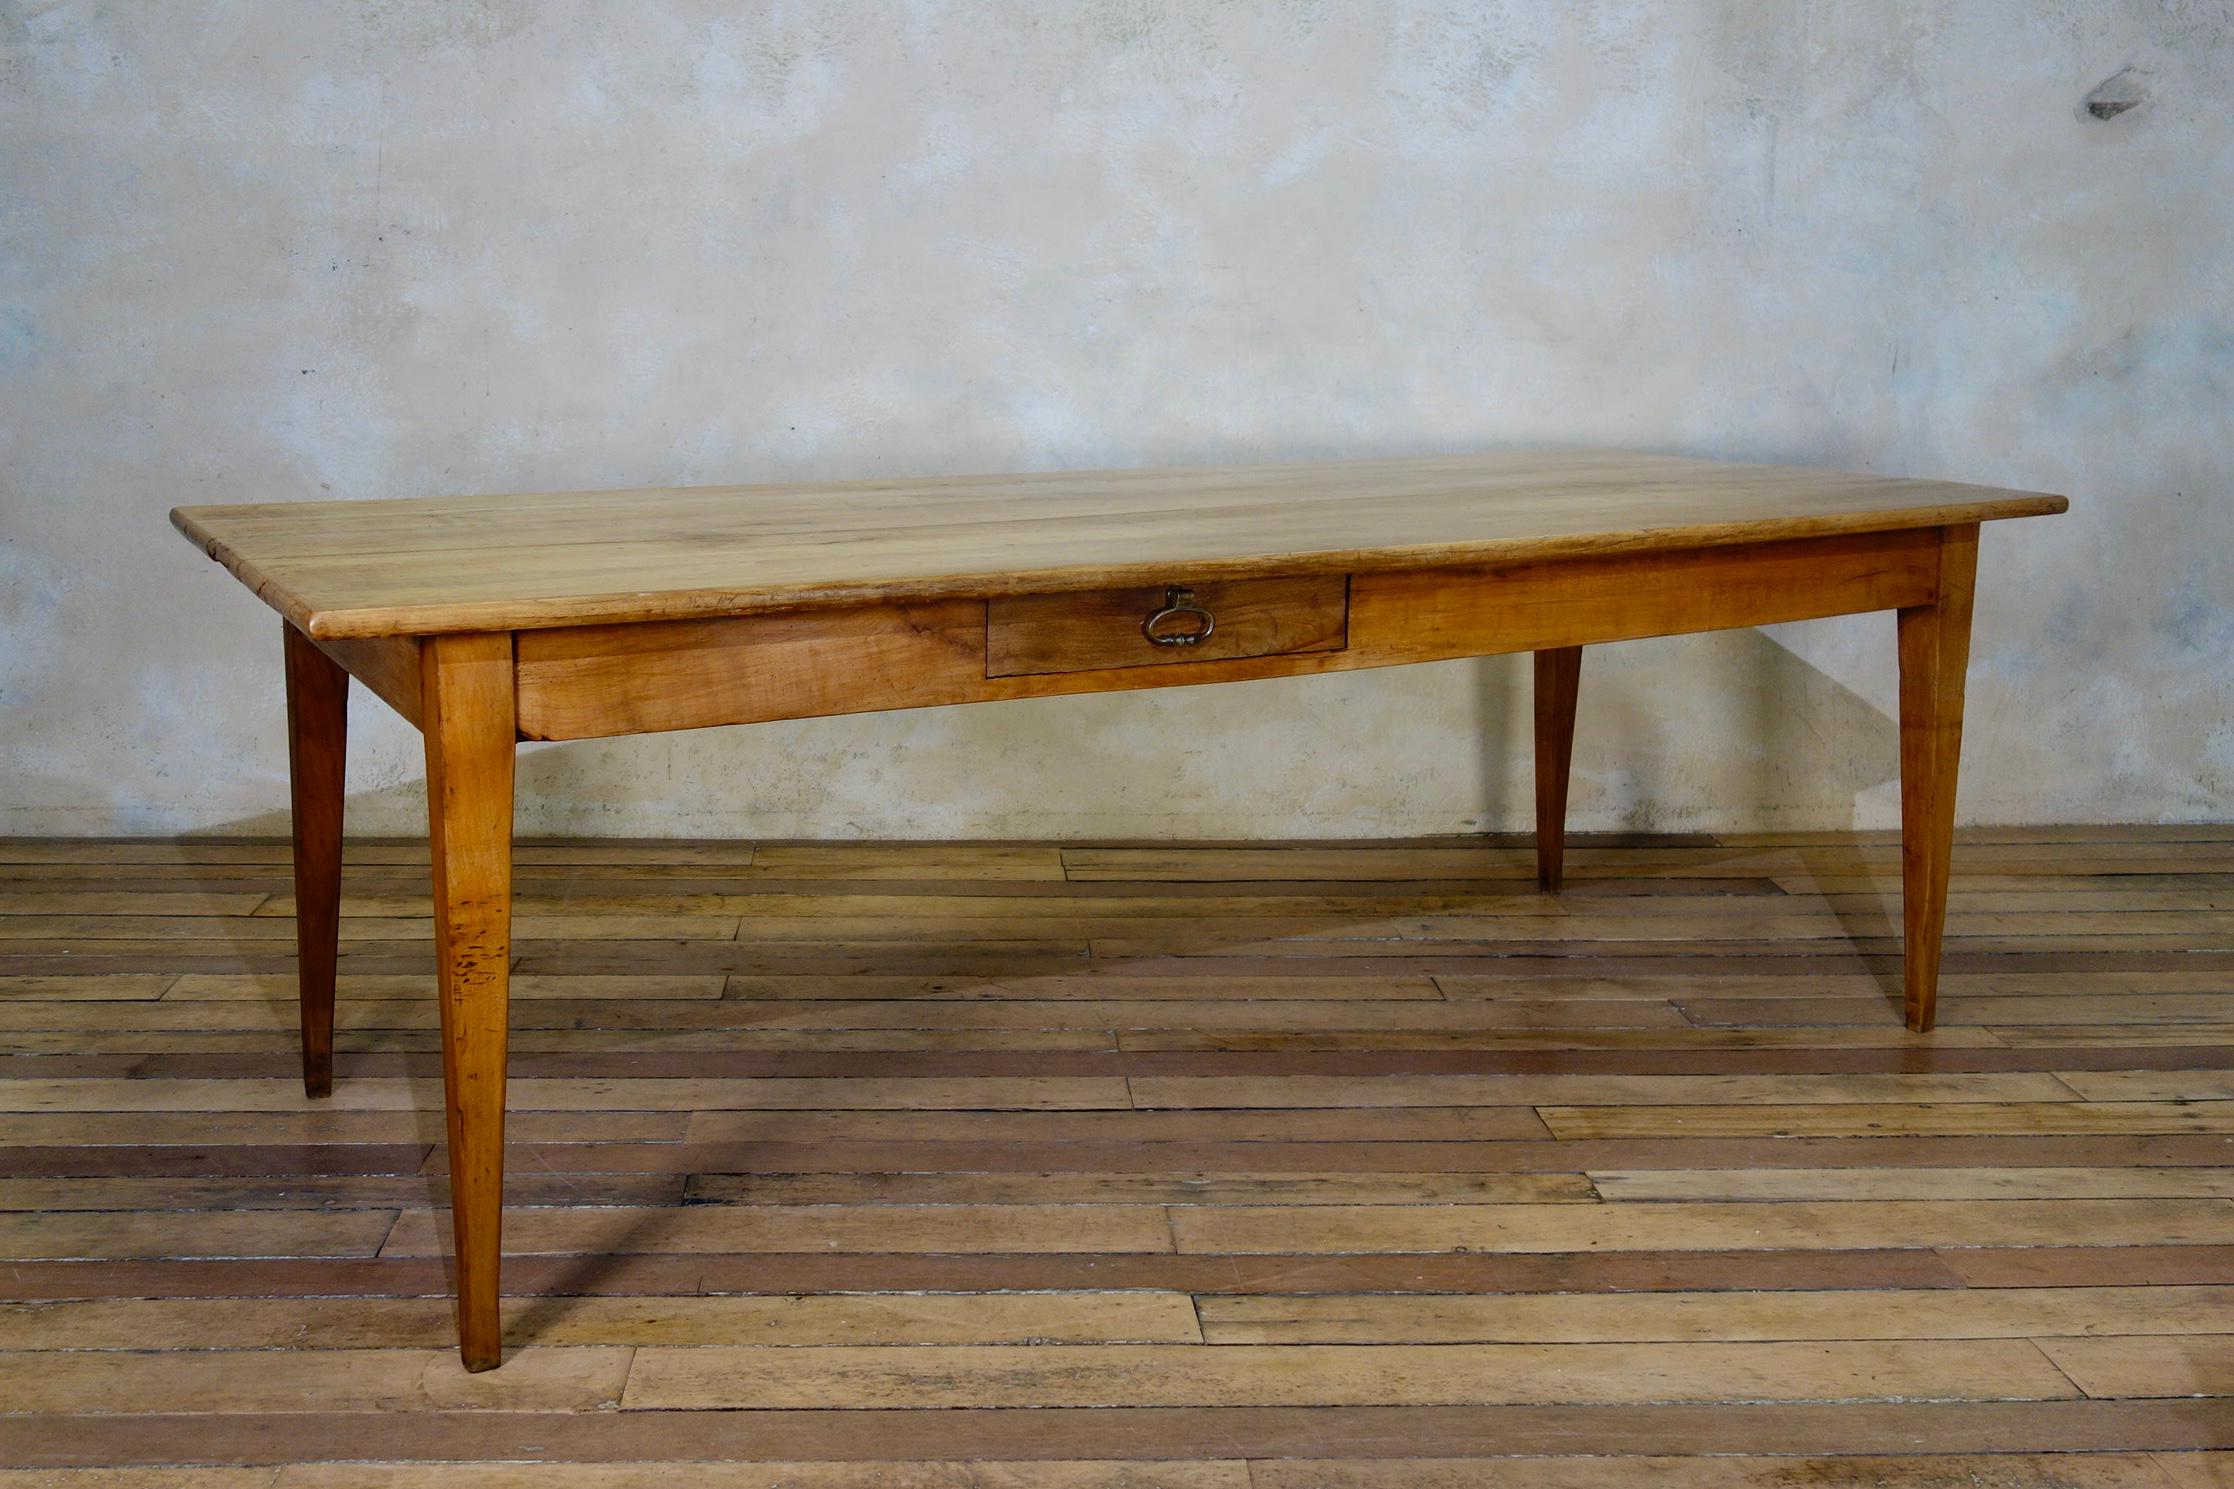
x,y
2122,90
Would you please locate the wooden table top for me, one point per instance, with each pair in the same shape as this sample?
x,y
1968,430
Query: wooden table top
x,y
424,566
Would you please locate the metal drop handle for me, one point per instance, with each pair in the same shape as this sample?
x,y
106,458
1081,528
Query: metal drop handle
x,y
1179,602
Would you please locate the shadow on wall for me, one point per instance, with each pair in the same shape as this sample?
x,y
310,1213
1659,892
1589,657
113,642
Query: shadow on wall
x,y
1503,712
1787,724
1788,732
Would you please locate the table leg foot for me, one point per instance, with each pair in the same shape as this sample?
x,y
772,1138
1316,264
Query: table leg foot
x,y
1934,657
467,713
317,736
1558,677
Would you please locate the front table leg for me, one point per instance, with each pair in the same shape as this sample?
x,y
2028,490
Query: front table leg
x,y
467,713
1934,655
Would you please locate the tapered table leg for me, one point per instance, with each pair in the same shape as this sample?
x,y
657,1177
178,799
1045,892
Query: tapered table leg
x,y
317,736
1558,677
467,714
1934,656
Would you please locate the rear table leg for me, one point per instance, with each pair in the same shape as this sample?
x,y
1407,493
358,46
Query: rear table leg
x,y
317,737
1558,677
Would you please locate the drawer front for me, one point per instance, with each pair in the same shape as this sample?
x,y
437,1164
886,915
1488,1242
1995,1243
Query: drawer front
x,y
1097,629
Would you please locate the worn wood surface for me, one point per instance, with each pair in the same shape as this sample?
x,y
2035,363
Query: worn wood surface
x,y
423,566
932,1165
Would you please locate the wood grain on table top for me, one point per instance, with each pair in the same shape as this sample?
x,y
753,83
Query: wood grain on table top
x,y
428,565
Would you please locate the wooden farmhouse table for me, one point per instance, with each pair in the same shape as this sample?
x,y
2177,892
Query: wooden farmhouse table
x,y
489,620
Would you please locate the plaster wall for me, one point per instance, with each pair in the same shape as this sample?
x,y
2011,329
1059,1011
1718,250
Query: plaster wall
x,y
270,249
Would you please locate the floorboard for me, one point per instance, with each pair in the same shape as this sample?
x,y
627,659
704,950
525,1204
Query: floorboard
x,y
1117,1165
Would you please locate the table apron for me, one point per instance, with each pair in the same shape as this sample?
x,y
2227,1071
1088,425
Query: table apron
x,y
592,681
388,666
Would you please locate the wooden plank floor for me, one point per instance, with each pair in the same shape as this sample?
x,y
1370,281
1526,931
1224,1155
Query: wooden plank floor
x,y
1224,1167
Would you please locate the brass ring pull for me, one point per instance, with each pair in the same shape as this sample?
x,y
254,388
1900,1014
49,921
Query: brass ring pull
x,y
1179,602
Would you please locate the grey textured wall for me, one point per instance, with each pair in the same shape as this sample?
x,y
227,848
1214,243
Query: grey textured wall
x,y
276,249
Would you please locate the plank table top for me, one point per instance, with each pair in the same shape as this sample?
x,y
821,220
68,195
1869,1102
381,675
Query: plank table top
x,y
428,566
